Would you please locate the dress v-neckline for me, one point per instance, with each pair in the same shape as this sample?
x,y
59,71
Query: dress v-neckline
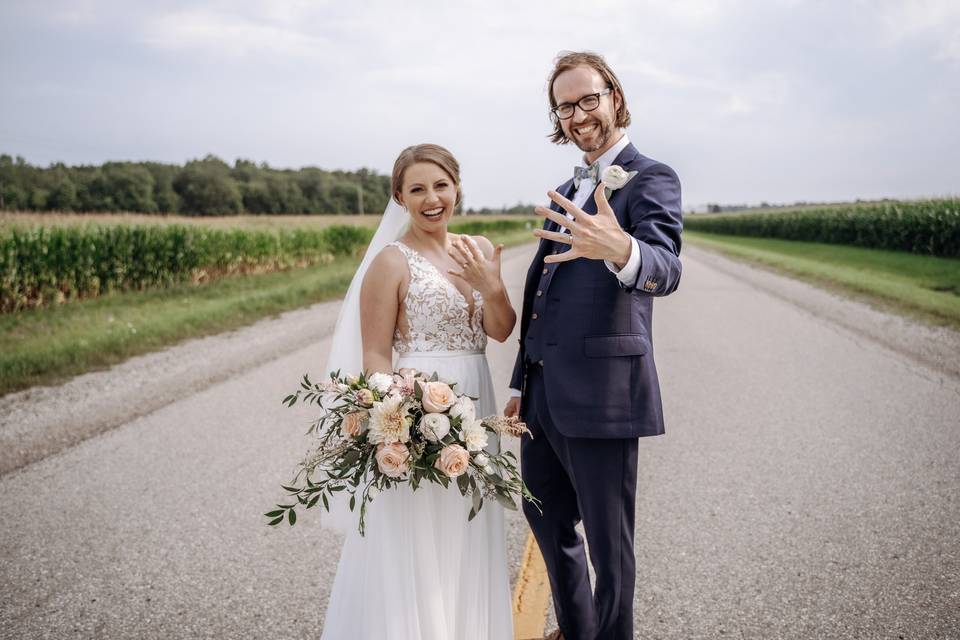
x,y
471,304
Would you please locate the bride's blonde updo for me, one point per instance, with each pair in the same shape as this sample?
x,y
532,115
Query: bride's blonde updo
x,y
424,153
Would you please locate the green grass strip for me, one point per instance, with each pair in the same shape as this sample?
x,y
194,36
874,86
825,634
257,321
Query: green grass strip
x,y
50,344
47,345
924,287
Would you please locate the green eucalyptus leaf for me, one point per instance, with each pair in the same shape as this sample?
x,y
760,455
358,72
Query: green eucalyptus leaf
x,y
506,501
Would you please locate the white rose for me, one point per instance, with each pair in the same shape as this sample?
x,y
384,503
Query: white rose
x,y
614,176
352,379
434,426
464,409
380,381
474,435
481,459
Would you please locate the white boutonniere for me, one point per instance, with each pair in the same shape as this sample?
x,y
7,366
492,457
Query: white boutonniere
x,y
614,177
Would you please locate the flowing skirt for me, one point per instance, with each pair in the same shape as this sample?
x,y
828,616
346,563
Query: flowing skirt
x,y
422,571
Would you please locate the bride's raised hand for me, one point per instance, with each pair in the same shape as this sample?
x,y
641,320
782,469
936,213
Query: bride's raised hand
x,y
480,272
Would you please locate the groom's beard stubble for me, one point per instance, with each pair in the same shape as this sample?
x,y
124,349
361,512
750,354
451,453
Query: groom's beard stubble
x,y
605,129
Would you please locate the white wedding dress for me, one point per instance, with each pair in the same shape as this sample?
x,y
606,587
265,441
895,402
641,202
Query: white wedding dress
x,y
422,571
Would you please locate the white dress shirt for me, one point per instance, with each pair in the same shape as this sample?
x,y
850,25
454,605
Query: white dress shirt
x,y
583,193
630,270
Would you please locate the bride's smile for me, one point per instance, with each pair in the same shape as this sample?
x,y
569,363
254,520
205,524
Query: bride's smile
x,y
429,195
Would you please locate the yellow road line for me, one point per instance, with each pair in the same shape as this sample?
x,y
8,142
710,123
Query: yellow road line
x,y
531,595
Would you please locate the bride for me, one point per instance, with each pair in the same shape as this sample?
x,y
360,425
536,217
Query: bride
x,y
422,571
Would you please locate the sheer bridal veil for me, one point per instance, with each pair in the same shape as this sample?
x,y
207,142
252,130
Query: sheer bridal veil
x,y
346,347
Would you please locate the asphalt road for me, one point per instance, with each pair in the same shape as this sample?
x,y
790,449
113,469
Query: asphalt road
x,y
806,488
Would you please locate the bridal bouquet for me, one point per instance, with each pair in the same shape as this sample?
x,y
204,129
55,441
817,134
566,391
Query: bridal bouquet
x,y
407,427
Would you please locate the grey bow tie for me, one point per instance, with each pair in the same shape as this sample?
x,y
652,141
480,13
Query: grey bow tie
x,y
585,173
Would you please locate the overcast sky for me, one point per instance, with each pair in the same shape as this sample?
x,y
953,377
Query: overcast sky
x,y
750,101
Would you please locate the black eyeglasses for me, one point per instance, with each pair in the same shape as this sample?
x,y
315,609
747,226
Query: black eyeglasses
x,y
586,103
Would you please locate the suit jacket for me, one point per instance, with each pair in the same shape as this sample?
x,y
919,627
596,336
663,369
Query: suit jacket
x,y
598,368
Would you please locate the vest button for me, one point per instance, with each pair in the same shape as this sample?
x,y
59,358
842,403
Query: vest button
x,y
539,293
540,362
533,317
545,271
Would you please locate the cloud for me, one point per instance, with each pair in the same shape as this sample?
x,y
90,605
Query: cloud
x,y
224,35
935,21
950,47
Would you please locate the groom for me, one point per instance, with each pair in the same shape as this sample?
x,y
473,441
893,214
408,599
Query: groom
x,y
584,379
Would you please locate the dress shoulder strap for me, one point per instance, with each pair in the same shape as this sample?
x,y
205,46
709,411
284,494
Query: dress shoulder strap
x,y
411,255
404,249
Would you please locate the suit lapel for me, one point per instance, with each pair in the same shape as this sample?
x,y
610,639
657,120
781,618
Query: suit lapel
x,y
625,158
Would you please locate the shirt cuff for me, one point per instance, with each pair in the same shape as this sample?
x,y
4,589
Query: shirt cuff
x,y
515,393
628,275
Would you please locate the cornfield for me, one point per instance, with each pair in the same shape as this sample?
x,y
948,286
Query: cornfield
x,y
930,227
42,265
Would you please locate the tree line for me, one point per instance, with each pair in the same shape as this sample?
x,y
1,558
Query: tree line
x,y
204,187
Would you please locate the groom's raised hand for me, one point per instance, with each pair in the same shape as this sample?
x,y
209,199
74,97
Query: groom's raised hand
x,y
597,237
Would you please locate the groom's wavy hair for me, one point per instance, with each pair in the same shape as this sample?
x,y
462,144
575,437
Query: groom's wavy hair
x,y
571,59
424,153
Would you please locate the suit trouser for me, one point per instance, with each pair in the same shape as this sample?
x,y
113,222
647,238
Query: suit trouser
x,y
588,479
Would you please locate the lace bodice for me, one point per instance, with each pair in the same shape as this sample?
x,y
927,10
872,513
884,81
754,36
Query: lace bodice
x,y
437,317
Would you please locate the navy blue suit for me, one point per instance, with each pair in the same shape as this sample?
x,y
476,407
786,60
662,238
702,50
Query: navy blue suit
x,y
589,390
